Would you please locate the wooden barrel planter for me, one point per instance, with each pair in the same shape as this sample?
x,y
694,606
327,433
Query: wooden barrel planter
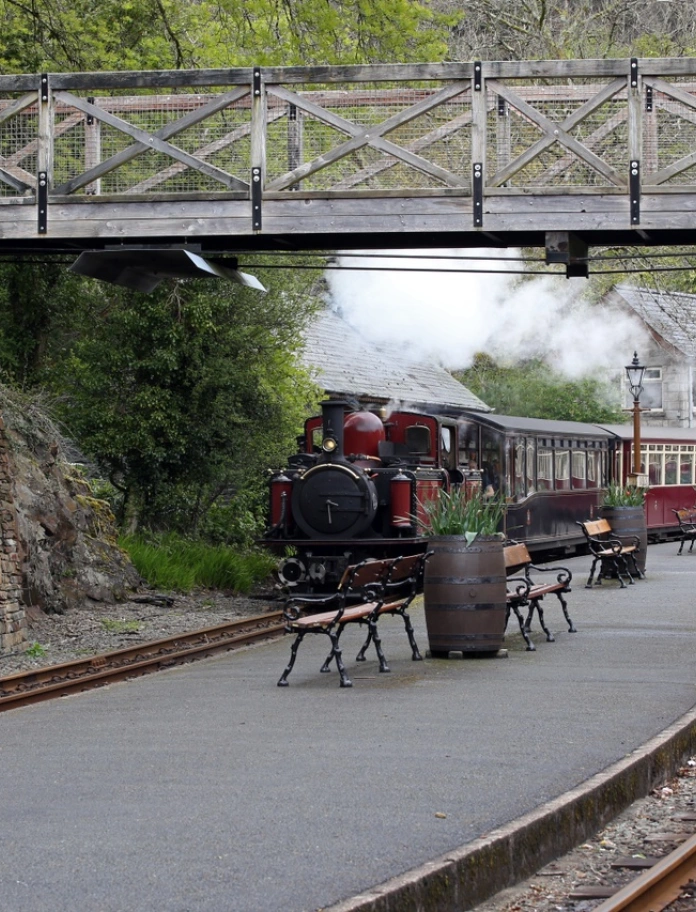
x,y
626,523
464,595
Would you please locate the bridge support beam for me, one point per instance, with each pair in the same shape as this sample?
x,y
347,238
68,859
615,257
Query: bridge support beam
x,y
567,248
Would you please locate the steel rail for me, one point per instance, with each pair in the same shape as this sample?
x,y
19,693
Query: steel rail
x,y
53,681
658,887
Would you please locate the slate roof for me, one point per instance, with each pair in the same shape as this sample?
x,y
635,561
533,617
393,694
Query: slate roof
x,y
672,315
345,363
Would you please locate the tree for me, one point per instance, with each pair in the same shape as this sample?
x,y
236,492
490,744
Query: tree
x,y
58,35
187,395
531,389
556,29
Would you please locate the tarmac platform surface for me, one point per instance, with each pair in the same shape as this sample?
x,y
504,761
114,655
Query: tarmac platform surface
x,y
207,788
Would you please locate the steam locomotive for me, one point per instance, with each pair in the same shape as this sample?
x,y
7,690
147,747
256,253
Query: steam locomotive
x,y
357,486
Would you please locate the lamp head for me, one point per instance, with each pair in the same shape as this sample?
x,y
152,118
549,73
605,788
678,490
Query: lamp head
x,y
635,372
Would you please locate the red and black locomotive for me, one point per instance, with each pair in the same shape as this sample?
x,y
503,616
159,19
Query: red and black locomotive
x,y
356,489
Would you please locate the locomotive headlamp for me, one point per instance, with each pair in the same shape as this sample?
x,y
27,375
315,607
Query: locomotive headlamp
x,y
329,444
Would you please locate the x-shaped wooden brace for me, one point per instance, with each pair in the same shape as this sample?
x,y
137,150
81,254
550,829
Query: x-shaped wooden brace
x,y
557,133
369,136
157,141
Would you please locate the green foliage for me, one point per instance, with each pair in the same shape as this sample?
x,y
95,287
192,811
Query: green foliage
x,y
39,309
171,562
113,625
453,513
35,651
618,495
186,396
89,35
532,390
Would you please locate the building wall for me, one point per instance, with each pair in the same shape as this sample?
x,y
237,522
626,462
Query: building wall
x,y
677,386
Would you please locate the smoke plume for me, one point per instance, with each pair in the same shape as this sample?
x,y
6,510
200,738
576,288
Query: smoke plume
x,y
430,314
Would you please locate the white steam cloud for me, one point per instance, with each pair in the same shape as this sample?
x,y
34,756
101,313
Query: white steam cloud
x,y
449,317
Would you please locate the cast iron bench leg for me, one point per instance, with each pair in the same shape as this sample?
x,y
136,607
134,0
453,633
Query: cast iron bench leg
x,y
336,654
415,654
524,630
283,681
360,657
535,603
564,606
588,584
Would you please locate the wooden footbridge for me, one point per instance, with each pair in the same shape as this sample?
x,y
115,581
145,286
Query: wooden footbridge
x,y
553,154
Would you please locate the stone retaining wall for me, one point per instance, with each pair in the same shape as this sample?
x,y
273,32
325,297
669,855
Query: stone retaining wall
x,y
13,621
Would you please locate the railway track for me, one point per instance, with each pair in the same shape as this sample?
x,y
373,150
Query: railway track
x,y
660,886
144,658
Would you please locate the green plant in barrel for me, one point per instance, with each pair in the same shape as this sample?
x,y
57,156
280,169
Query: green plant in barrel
x,y
457,513
618,495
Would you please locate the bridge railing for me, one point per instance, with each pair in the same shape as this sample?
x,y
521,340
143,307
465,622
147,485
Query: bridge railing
x,y
476,130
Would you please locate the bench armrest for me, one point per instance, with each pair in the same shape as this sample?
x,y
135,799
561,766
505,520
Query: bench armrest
x,y
292,609
563,574
602,544
521,587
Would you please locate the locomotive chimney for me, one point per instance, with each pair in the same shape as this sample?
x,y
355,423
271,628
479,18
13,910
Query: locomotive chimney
x,y
333,413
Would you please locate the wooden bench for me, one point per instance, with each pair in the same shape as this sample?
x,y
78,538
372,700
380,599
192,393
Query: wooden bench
x,y
612,555
687,527
528,593
366,592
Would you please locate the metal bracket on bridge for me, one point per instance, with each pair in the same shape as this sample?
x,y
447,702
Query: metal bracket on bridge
x,y
42,202
567,248
634,72
256,193
634,190
477,195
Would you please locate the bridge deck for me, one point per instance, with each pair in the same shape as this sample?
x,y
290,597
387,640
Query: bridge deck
x,y
320,157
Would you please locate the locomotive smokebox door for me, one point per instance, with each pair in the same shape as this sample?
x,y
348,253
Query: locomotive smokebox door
x,y
334,500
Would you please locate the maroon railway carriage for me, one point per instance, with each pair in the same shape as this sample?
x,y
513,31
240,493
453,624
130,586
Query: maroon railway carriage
x,y
668,460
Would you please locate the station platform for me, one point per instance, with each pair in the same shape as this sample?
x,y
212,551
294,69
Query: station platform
x,y
206,788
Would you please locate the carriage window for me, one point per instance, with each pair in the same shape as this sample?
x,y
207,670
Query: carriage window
x,y
686,466
671,460
492,472
545,468
594,468
654,466
562,462
518,472
468,440
643,452
531,465
579,469
448,454
418,439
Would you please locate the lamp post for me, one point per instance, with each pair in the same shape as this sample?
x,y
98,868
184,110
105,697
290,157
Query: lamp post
x,y
635,372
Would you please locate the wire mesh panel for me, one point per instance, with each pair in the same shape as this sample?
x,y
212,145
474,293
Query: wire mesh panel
x,y
19,125
670,132
565,135
369,137
134,143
